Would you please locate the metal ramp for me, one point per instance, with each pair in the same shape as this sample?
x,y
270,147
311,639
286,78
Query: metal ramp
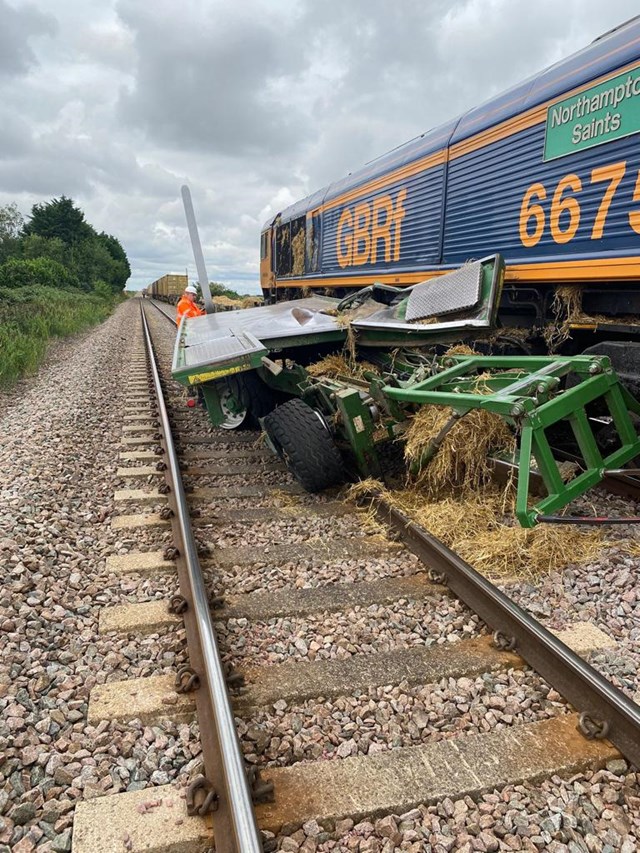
x,y
220,344
214,358
443,308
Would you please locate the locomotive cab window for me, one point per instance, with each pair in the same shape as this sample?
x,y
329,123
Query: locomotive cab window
x,y
264,242
290,244
298,228
283,249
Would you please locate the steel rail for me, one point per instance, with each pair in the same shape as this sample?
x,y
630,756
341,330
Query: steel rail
x,y
162,311
575,679
235,829
608,711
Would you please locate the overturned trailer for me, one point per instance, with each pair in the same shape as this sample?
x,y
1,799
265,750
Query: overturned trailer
x,y
252,366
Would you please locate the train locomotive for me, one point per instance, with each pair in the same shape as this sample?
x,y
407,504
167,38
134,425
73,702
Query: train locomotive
x,y
546,174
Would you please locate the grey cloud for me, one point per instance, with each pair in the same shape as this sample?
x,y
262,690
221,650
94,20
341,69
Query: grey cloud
x,y
42,175
18,26
253,103
204,83
15,135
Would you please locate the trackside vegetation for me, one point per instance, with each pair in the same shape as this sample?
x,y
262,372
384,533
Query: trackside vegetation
x,y
58,276
29,319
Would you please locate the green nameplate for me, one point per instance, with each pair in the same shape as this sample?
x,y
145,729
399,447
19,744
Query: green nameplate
x,y
605,112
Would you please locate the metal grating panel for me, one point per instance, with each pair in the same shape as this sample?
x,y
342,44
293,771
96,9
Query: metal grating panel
x,y
450,294
221,349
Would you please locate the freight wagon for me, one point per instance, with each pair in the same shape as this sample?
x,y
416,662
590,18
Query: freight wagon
x,y
168,288
546,174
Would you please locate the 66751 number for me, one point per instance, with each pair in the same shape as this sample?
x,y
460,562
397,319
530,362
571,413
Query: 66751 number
x,y
533,220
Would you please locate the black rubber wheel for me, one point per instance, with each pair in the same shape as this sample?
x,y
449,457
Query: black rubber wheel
x,y
253,395
301,438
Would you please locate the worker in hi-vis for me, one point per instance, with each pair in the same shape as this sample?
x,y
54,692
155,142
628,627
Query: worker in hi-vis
x,y
187,305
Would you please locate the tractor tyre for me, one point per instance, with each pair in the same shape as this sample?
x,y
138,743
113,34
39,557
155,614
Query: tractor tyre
x,y
302,439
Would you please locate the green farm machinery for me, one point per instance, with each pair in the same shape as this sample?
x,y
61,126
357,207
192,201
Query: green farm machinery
x,y
254,366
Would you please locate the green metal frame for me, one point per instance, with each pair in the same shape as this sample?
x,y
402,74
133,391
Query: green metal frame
x,y
357,425
527,391
532,393
395,332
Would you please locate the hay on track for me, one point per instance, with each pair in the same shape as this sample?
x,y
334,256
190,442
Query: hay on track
x,y
482,529
462,462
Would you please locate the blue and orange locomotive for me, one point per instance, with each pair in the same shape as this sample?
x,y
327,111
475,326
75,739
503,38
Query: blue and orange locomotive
x,y
546,174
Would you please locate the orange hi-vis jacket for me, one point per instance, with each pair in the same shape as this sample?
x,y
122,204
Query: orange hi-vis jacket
x,y
187,309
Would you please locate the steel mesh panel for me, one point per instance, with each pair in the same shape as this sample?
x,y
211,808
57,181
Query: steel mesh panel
x,y
450,294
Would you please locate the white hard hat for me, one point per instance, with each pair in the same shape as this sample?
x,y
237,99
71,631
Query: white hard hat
x,y
190,288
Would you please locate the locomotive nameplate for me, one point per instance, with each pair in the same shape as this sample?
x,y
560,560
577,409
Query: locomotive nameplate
x,y
600,114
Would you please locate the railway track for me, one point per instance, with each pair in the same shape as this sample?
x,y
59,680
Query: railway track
x,y
292,584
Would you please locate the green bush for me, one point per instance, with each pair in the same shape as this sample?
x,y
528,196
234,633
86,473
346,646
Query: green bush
x,y
218,289
102,289
30,317
58,231
34,246
36,272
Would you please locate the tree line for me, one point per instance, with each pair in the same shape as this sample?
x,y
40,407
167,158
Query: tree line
x,y
56,247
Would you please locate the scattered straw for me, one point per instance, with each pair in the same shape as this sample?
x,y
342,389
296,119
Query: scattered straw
x,y
482,529
227,302
454,498
285,498
461,349
567,300
567,308
462,462
364,489
337,365
297,251
251,301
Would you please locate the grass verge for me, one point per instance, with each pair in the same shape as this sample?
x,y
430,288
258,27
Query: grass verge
x,y
28,321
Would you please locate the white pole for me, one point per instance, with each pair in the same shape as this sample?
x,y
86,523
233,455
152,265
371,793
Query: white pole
x,y
203,278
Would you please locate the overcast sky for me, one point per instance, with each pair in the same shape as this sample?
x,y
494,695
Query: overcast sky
x,y
253,103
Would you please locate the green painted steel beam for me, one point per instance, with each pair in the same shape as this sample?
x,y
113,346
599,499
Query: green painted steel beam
x,y
529,396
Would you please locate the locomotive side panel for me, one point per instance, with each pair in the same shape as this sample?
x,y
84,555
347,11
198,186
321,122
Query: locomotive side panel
x,y
547,174
394,228
565,214
568,218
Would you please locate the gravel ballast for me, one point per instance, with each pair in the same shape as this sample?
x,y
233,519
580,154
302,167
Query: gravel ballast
x,y
61,434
